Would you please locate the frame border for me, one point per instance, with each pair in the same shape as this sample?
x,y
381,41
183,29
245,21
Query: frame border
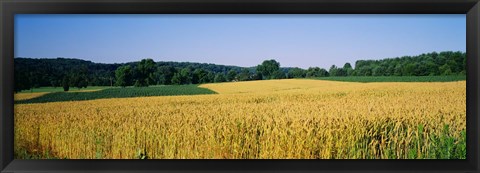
x,y
8,9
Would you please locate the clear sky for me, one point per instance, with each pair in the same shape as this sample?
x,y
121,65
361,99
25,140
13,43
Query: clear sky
x,y
241,40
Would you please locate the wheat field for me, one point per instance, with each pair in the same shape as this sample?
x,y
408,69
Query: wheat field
x,y
25,96
272,119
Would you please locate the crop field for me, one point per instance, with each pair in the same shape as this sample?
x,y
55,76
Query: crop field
x,y
58,89
27,96
111,93
269,119
24,96
397,78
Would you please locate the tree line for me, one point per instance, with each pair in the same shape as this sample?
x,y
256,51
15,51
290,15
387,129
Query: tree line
x,y
47,72
61,72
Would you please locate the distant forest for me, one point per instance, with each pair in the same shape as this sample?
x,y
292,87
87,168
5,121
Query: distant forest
x,y
62,72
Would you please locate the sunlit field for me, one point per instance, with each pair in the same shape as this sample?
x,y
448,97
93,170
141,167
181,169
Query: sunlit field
x,y
269,119
25,96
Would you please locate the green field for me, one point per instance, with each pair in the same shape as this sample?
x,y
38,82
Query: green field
x,y
166,90
58,89
395,78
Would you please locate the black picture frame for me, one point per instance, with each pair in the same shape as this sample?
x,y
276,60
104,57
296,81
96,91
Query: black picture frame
x,y
8,8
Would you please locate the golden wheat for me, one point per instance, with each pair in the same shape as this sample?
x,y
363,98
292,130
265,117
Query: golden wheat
x,y
25,96
257,119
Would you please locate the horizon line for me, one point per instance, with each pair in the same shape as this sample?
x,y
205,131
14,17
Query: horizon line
x,y
237,65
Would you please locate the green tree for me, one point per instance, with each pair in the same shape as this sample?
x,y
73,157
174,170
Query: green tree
x,y
390,70
279,74
378,71
445,69
144,73
199,76
176,79
398,70
22,80
268,68
409,69
364,71
231,75
296,73
257,76
244,75
311,72
422,69
123,76
348,69
164,75
347,66
341,72
65,83
452,64
209,78
316,72
220,77
79,77
186,75
333,71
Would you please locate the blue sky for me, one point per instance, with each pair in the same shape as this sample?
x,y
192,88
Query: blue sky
x,y
242,40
